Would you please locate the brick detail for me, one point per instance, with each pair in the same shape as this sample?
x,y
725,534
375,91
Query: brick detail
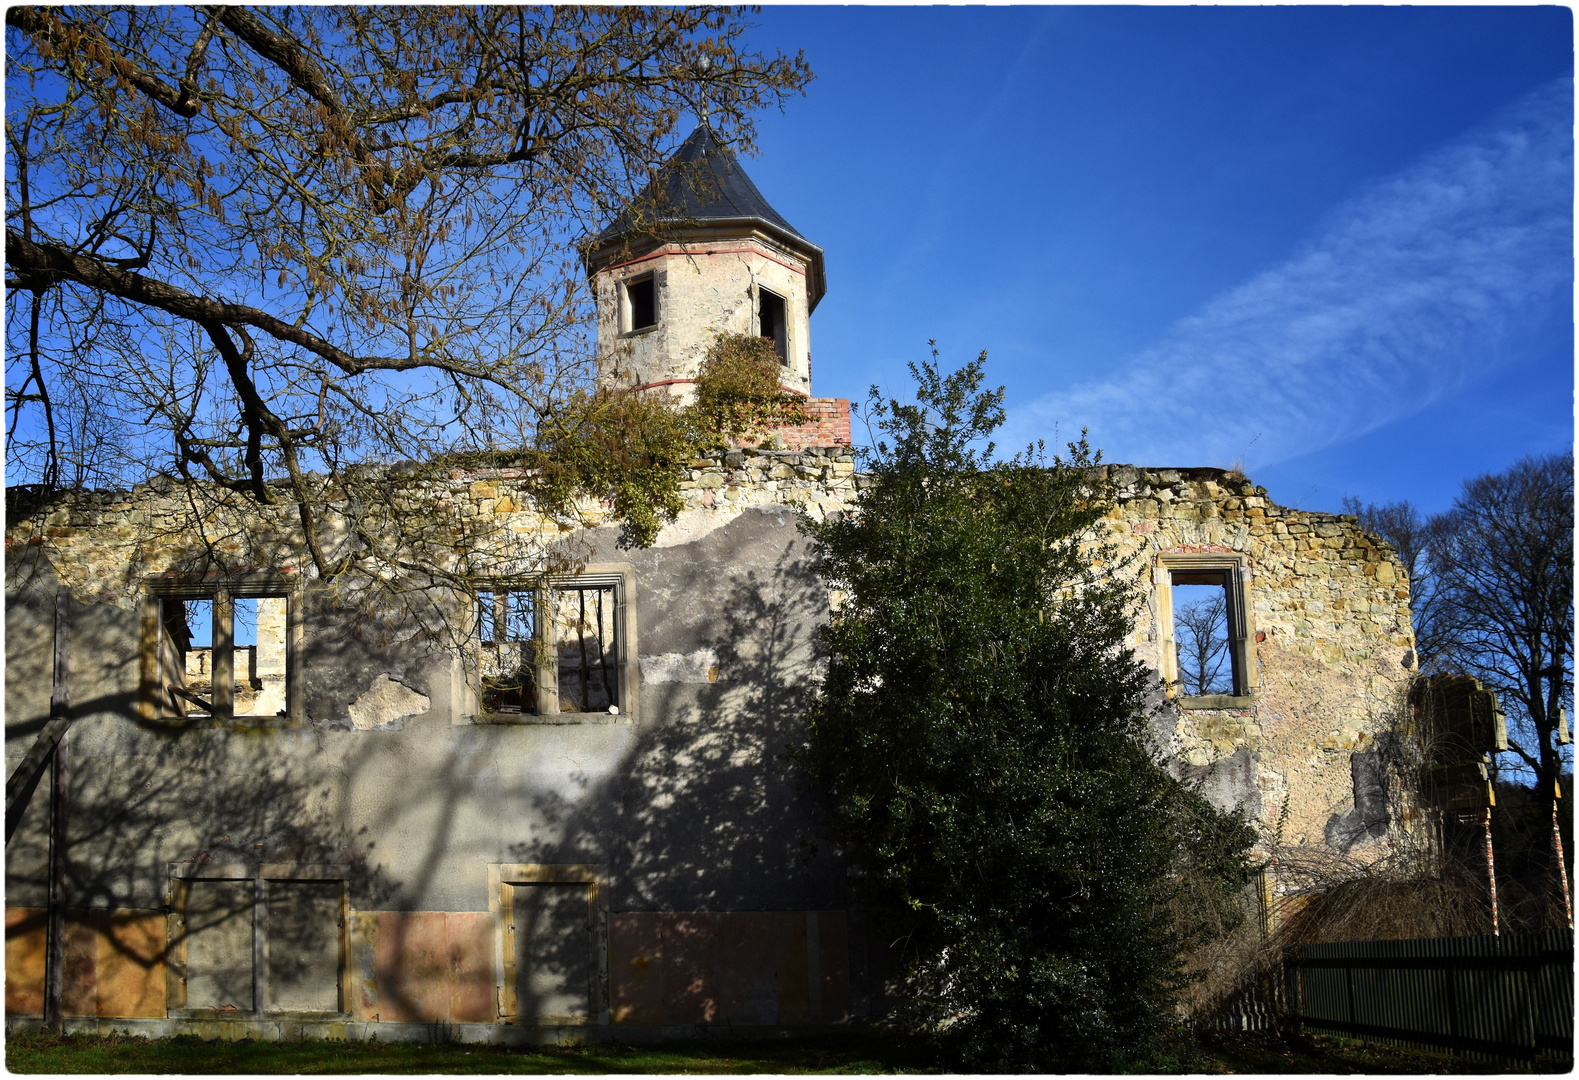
x,y
829,425
733,967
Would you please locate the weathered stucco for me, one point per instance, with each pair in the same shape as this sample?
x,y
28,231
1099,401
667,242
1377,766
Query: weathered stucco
x,y
685,805
705,288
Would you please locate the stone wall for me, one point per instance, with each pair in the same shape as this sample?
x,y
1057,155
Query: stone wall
x,y
389,782
685,806
1330,611
104,543
1332,640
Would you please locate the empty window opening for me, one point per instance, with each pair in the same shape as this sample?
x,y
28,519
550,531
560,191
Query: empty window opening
x,y
558,648
547,951
507,622
304,946
586,648
220,649
643,298
259,643
1202,622
186,656
771,322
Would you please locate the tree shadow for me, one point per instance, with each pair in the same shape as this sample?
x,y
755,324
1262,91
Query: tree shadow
x,y
692,805
705,811
192,800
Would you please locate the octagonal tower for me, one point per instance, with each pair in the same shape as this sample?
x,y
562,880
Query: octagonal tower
x,y
698,254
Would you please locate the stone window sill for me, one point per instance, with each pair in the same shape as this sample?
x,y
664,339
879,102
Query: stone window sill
x,y
1216,701
542,719
642,330
206,720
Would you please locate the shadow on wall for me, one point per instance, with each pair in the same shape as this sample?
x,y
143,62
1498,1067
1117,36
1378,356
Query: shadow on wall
x,y
706,813
145,796
145,805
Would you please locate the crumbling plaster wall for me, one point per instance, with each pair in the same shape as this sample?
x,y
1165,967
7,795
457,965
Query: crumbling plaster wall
x,y
689,804
1331,632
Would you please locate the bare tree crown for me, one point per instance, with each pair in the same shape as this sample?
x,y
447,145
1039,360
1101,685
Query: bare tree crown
x,y
1491,589
245,243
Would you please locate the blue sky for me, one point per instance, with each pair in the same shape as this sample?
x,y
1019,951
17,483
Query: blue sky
x,y
1332,243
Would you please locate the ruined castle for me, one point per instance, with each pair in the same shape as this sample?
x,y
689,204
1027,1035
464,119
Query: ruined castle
x,y
578,822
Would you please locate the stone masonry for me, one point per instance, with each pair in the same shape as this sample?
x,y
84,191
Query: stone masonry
x,y
102,543
1330,616
1332,639
384,733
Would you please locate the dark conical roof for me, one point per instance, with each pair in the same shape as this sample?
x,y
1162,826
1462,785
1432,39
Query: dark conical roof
x,y
703,182
703,185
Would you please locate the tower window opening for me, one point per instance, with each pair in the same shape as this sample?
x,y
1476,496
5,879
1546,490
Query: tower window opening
x,y
643,298
771,322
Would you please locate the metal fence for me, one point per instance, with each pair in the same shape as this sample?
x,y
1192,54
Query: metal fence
x,y
1507,998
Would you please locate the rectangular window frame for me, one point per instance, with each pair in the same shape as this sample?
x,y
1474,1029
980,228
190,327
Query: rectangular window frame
x,y
1241,629
181,877
621,577
223,590
781,336
501,876
491,629
627,312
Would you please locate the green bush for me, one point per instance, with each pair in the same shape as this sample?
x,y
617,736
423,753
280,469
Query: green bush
x,y
630,449
737,387
980,732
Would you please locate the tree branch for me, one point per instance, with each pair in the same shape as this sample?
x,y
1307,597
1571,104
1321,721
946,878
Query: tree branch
x,y
183,102
40,265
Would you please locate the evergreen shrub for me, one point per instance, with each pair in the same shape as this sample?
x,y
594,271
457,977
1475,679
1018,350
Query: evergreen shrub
x,y
981,736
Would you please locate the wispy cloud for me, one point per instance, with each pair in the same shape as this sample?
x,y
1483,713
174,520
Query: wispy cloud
x,y
929,227
1400,294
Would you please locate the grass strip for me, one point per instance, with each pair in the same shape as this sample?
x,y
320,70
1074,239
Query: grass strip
x,y
835,1055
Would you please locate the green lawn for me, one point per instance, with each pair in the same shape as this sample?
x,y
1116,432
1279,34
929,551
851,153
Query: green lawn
x,y
95,1054
34,1053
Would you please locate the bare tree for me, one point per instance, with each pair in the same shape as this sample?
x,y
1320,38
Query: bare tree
x,y
1202,629
1410,533
268,247
1503,570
